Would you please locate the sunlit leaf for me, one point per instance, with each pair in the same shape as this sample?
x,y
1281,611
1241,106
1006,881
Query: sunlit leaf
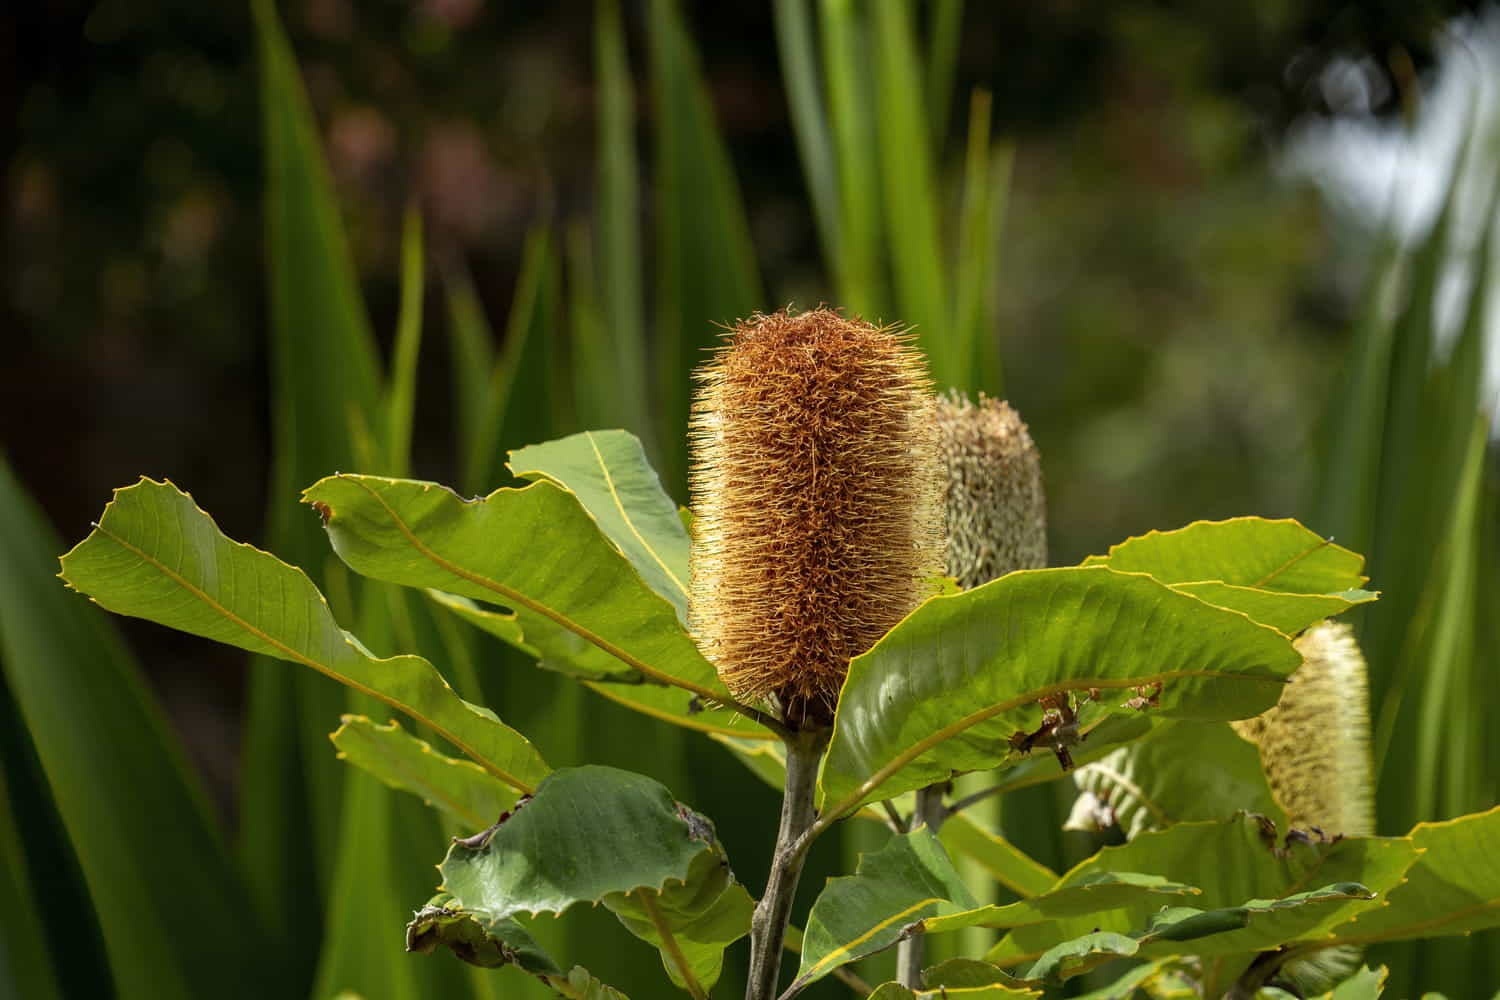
x,y
1233,861
533,550
156,555
609,474
946,688
460,788
908,879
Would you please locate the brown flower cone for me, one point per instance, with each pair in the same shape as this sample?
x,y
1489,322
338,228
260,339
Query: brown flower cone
x,y
817,494
996,508
1315,744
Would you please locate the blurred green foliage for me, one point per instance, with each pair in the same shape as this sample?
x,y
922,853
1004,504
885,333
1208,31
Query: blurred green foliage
x,y
1077,196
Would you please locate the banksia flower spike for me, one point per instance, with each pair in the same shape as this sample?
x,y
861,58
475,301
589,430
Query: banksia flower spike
x,y
1315,744
817,491
996,509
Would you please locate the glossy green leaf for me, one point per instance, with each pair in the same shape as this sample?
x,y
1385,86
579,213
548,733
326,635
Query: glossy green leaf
x,y
894,889
1454,887
553,647
1366,984
895,991
1183,929
1288,614
1092,894
459,788
705,262
423,535
609,474
1180,771
156,555
567,653
960,975
1280,556
946,688
176,916
1231,861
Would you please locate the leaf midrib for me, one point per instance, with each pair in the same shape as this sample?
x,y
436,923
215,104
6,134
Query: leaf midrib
x,y
298,657
517,597
975,718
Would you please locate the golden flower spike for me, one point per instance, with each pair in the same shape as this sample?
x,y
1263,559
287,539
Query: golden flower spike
x,y
817,489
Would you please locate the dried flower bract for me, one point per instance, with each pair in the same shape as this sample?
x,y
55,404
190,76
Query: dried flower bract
x,y
996,507
817,490
1315,744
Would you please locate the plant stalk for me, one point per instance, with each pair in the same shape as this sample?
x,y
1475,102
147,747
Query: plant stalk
x,y
804,751
911,953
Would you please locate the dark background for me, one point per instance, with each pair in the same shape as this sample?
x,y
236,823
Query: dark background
x,y
1173,310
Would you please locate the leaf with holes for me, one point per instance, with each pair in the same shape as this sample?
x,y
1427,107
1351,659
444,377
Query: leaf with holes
x,y
601,835
945,690
156,555
493,944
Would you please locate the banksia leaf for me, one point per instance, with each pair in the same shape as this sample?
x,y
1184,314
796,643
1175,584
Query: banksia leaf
x,y
817,491
996,509
1315,744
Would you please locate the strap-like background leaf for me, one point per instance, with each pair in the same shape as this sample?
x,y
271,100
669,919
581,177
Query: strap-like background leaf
x,y
172,906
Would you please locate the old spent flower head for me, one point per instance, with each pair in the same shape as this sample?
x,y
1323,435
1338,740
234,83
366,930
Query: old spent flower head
x,y
996,508
1315,743
817,490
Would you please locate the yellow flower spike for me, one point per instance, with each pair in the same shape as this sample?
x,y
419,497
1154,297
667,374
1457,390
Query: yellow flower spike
x,y
1315,744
